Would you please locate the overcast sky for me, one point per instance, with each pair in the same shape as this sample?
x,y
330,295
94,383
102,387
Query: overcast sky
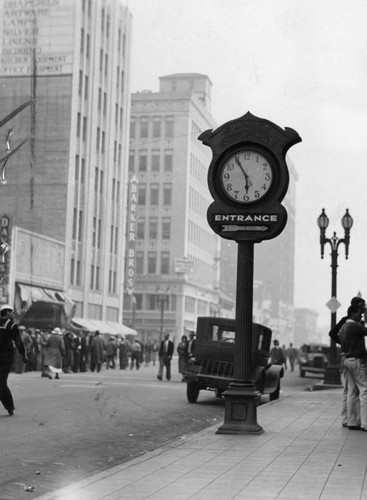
x,y
301,64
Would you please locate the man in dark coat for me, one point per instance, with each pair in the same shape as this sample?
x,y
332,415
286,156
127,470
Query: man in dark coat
x,y
9,335
97,352
165,356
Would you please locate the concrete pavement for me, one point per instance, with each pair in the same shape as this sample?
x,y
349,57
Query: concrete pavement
x,y
304,454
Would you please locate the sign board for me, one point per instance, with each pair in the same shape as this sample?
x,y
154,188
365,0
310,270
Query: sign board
x,y
184,266
333,304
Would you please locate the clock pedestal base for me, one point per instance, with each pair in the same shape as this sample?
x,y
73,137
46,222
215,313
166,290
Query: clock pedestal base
x,y
240,415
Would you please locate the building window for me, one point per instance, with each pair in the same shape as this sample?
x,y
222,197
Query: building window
x,y
88,46
156,128
168,160
153,228
152,262
167,194
72,271
169,126
154,194
189,304
86,87
140,229
80,88
155,160
143,161
131,162
142,194
152,301
139,301
84,128
166,228
80,225
78,125
82,41
165,263
144,127
132,129
139,262
104,102
98,138
99,99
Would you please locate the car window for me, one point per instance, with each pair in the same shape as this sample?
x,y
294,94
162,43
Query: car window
x,y
222,334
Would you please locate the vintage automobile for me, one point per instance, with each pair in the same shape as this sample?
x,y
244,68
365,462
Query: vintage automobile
x,y
212,367
313,358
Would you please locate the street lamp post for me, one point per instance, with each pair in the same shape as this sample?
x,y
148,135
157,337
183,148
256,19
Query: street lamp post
x,y
332,373
162,301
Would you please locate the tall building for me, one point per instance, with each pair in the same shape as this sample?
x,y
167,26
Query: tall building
x,y
66,185
273,302
174,255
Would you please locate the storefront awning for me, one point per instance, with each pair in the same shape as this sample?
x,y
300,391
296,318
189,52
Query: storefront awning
x,y
29,294
109,327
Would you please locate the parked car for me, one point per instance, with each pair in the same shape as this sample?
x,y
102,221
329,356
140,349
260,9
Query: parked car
x,y
313,358
212,367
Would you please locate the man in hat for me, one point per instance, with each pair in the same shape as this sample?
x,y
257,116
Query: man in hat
x,y
9,335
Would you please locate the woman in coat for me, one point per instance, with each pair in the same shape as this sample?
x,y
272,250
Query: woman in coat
x,y
55,351
182,356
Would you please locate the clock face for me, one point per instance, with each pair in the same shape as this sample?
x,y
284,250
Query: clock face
x,y
246,176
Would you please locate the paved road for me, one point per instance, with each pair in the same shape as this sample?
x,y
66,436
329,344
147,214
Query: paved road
x,y
84,423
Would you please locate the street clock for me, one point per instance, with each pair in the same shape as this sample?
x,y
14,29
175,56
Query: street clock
x,y
248,178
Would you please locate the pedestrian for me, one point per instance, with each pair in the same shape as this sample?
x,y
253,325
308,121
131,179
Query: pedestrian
x,y
148,353
154,352
55,353
75,349
190,346
334,335
182,356
83,360
165,356
9,335
292,356
135,354
276,354
18,366
352,341
124,348
111,351
285,357
97,352
45,335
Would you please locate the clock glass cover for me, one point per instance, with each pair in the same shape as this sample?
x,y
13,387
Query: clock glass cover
x,y
246,176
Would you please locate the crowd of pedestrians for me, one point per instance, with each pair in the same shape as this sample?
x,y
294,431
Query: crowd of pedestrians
x,y
54,351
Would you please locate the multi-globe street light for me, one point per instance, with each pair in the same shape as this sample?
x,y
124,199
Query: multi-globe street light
x,y
332,373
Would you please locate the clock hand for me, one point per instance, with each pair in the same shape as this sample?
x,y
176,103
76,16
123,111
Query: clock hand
x,y
244,173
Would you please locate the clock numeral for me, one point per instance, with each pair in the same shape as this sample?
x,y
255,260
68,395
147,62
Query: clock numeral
x,y
265,165
229,187
236,194
246,197
264,187
257,194
226,176
267,176
247,156
230,166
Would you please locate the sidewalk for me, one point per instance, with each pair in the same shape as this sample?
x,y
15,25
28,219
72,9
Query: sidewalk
x,y
304,453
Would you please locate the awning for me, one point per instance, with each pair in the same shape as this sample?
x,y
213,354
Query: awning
x,y
30,294
109,327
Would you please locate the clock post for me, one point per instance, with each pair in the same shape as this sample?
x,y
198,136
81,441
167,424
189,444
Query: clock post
x,y
247,178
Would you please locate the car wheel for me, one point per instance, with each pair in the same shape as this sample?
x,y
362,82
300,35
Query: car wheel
x,y
192,392
275,395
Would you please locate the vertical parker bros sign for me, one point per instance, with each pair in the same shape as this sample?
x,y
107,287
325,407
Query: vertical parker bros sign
x,y
131,235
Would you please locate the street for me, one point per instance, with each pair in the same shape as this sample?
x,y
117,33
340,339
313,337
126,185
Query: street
x,y
64,430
